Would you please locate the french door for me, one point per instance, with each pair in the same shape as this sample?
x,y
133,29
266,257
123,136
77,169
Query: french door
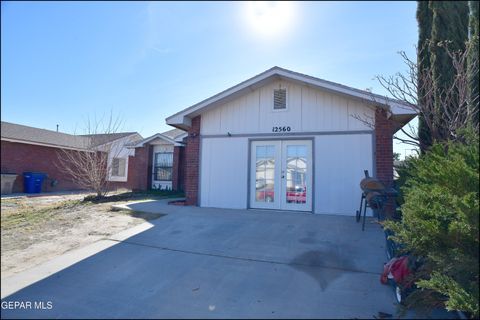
x,y
281,175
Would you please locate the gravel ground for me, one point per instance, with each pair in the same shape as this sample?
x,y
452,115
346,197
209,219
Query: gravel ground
x,y
34,230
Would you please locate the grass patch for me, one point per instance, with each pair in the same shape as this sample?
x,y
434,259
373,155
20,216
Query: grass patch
x,y
26,216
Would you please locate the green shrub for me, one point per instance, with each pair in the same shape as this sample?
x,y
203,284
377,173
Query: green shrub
x,y
405,171
440,222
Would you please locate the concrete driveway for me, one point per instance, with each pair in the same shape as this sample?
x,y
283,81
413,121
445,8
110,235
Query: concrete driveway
x,y
217,263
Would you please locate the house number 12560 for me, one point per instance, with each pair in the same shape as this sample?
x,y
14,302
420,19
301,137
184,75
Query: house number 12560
x,y
281,129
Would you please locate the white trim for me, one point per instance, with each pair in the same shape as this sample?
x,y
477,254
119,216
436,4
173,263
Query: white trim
x,y
183,118
280,180
155,136
44,144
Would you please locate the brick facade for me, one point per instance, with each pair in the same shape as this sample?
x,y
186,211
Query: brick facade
x,y
178,170
192,162
138,169
20,157
384,128
383,147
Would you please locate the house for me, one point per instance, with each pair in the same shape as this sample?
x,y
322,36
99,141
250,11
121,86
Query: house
x,y
287,141
25,149
163,157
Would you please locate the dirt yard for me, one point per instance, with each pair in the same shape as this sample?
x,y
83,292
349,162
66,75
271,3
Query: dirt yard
x,y
36,229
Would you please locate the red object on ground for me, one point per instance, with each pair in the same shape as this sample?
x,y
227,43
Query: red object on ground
x,y
398,268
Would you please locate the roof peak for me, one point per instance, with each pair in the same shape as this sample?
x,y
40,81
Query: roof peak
x,y
182,119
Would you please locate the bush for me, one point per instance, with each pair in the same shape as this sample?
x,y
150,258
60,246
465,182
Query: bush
x,y
405,171
440,223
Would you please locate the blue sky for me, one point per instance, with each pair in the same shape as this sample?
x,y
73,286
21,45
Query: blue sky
x,y
64,62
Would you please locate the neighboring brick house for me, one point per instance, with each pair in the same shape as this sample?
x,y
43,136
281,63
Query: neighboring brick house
x,y
25,149
288,141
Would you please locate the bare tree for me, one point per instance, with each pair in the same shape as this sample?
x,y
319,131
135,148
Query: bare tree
x,y
446,111
89,167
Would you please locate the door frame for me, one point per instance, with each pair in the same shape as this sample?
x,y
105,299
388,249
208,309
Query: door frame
x,y
281,138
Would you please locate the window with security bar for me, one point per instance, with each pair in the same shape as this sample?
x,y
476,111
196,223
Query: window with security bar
x,y
163,166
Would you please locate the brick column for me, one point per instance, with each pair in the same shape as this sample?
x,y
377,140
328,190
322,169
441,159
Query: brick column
x,y
383,147
192,159
149,166
175,169
384,154
137,169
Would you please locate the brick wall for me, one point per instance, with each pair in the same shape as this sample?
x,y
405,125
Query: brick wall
x,y
20,157
138,165
178,170
192,161
181,169
384,154
384,147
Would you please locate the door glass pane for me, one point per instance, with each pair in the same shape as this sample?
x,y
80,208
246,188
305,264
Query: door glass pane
x,y
296,174
265,174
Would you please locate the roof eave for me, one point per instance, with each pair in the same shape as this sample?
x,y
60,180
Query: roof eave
x,y
401,120
44,144
182,119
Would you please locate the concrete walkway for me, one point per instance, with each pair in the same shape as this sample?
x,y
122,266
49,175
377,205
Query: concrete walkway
x,y
217,263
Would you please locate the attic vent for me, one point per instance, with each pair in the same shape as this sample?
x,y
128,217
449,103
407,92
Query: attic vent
x,y
279,99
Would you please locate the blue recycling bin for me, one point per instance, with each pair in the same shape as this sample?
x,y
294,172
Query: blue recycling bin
x,y
32,181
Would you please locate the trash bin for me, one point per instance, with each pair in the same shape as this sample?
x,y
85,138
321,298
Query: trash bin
x,y
33,181
8,179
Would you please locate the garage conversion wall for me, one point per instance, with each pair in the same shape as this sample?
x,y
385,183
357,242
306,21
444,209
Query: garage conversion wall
x,y
343,145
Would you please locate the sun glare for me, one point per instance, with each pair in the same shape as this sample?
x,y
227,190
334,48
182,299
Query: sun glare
x,y
269,18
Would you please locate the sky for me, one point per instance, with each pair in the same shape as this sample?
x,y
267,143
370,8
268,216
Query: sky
x,y
67,62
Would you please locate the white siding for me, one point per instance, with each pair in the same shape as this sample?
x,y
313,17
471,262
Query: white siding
x,y
308,110
339,159
117,149
224,172
339,164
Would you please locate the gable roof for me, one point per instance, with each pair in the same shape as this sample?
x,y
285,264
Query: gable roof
x,y
103,138
30,135
25,134
172,136
175,134
183,118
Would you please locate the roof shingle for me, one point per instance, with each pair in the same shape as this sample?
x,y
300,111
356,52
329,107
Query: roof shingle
x,y
56,139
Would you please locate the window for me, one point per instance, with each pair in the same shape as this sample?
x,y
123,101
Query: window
x,y
279,99
162,169
118,167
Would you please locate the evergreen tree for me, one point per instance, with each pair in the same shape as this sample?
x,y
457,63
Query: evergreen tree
x,y
449,25
440,223
473,63
424,19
